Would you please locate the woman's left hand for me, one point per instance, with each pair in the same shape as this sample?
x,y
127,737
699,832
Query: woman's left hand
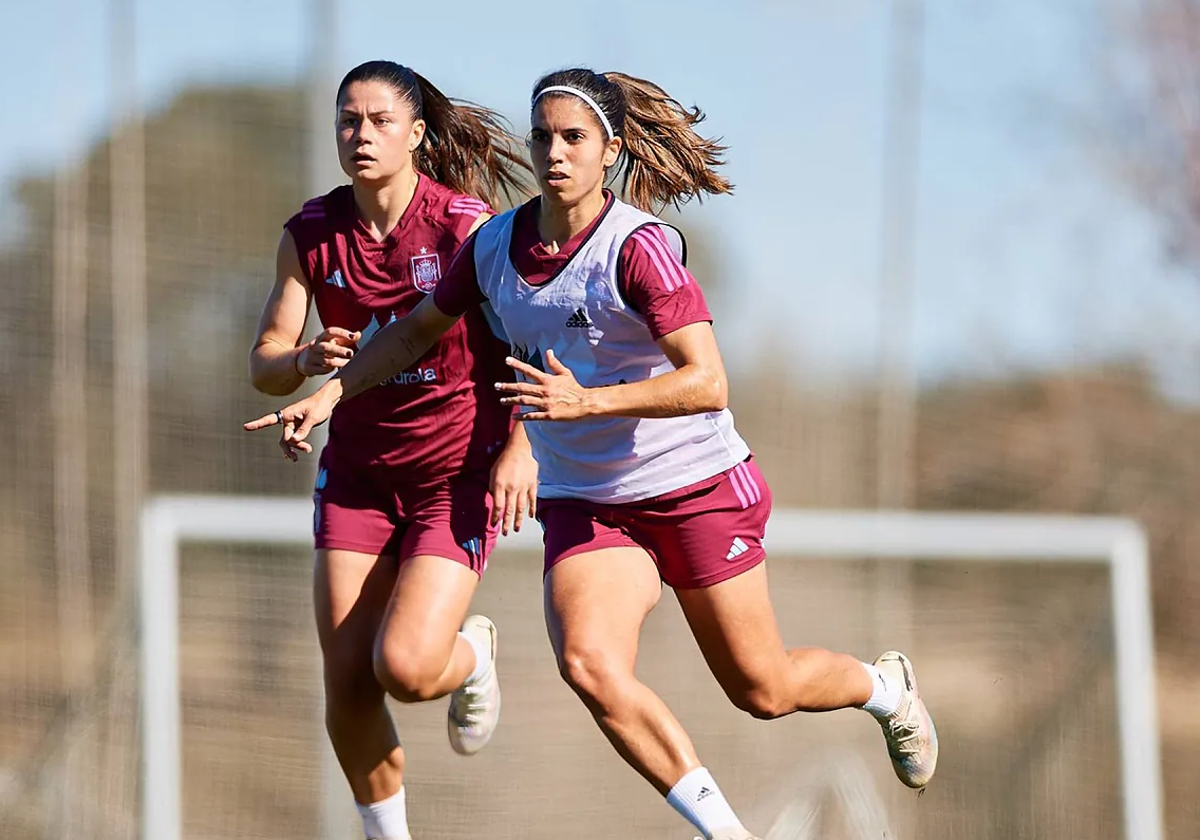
x,y
514,486
553,394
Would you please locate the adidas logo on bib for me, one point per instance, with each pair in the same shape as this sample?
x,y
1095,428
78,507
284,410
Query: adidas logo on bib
x,y
737,549
579,320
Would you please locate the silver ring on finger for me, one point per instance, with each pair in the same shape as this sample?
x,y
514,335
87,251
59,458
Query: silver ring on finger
x,y
278,416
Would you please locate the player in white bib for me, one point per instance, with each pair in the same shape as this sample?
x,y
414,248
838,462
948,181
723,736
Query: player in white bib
x,y
643,478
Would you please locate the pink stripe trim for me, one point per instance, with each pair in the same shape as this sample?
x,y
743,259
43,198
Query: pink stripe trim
x,y
652,239
737,488
659,238
741,480
751,484
468,204
654,258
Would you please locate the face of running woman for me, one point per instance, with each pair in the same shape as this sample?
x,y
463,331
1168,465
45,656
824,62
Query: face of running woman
x,y
569,149
376,133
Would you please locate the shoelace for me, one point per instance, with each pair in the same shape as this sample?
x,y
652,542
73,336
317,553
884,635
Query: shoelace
x,y
468,703
904,734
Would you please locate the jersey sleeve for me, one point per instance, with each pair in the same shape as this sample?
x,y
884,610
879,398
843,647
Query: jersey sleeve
x,y
463,211
458,290
654,281
308,227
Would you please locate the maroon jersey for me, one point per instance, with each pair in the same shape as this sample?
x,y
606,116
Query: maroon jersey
x,y
443,414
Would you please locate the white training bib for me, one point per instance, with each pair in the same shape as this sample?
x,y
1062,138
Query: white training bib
x,y
581,315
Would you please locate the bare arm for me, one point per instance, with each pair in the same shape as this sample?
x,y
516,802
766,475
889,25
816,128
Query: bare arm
x,y
394,348
696,386
273,368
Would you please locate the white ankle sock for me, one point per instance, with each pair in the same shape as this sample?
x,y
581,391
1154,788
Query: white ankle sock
x,y
386,820
885,693
699,801
483,660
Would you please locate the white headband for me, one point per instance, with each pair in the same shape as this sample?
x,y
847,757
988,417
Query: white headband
x,y
576,92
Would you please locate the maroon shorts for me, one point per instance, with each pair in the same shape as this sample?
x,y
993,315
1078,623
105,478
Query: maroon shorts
x,y
376,511
697,536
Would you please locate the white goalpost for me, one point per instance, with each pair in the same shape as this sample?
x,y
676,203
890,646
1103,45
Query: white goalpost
x,y
168,522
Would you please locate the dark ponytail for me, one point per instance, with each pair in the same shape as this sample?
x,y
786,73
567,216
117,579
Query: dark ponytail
x,y
664,161
467,148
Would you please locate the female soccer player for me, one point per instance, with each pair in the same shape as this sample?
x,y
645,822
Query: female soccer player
x,y
642,476
403,521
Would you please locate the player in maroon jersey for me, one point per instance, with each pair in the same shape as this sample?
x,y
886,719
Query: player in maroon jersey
x,y
643,477
403,519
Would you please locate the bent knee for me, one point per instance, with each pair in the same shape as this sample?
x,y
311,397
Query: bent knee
x,y
762,702
593,674
406,675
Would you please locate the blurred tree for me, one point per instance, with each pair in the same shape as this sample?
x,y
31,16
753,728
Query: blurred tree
x,y
1157,101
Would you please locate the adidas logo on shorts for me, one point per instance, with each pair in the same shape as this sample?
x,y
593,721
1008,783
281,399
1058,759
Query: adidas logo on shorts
x,y
737,549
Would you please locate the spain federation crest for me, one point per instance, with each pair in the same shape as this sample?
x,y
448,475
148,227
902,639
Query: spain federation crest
x,y
426,271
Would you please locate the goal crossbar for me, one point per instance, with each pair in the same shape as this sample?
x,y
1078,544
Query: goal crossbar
x,y
169,521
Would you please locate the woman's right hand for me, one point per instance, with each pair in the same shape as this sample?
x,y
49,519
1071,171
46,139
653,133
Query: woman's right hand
x,y
299,418
330,350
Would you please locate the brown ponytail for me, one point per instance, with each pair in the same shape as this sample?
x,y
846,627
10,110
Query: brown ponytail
x,y
466,147
667,161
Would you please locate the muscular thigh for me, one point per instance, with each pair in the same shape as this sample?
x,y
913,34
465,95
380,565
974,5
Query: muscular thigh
x,y
351,591
734,625
443,553
425,610
596,601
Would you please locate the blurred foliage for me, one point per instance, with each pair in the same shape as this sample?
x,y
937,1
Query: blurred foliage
x,y
224,170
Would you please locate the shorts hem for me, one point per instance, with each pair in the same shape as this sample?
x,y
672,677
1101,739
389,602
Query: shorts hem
x,y
462,561
727,573
347,545
597,545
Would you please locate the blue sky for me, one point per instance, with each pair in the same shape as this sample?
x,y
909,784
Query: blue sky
x,y
1027,253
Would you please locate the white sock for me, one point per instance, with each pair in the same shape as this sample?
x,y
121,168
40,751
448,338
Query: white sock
x,y
386,820
885,693
483,660
699,801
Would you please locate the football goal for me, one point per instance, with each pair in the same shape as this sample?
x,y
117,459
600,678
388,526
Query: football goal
x,y
1032,636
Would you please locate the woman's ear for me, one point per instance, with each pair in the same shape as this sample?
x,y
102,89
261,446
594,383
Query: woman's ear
x,y
416,135
612,152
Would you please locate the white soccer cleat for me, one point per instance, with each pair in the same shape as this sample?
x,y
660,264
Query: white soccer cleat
x,y
909,731
475,708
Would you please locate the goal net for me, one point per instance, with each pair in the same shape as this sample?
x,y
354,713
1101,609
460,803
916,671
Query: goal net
x,y
1031,636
